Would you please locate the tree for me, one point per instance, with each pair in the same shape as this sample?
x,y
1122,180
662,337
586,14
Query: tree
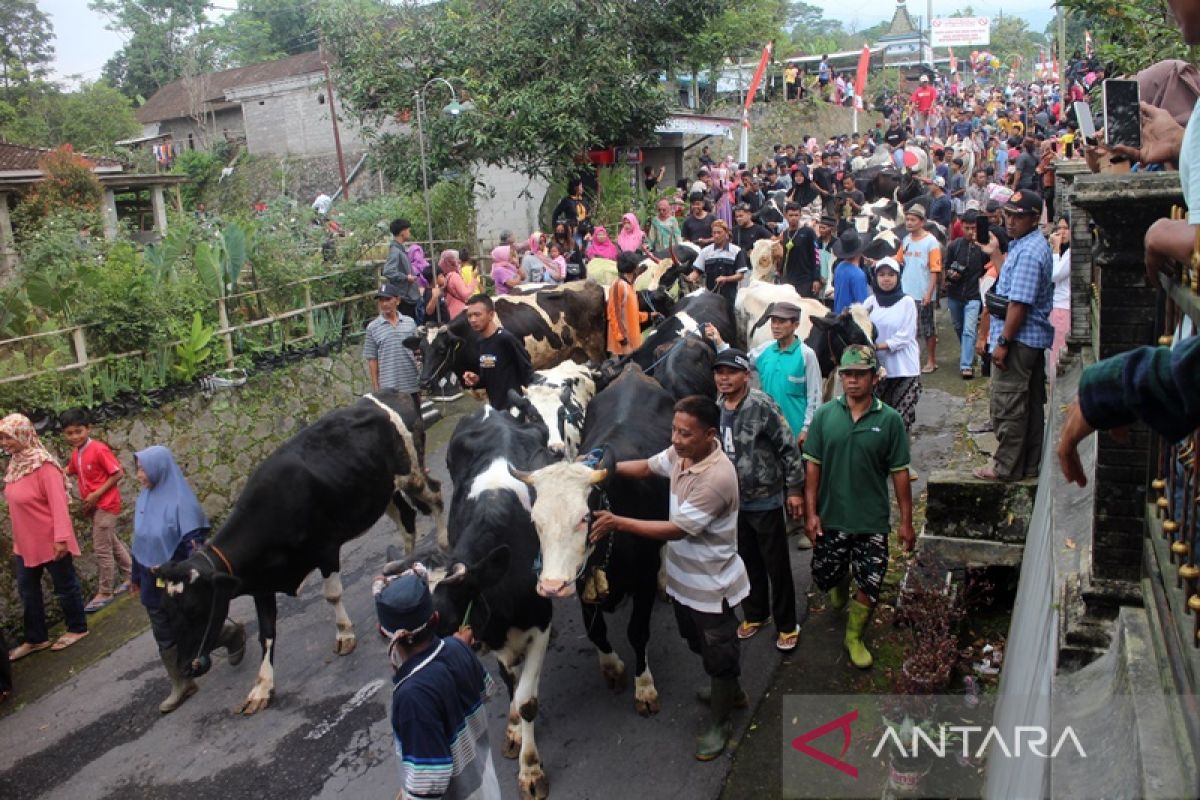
x,y
69,183
26,49
262,30
741,29
90,119
1129,34
548,80
1011,37
159,33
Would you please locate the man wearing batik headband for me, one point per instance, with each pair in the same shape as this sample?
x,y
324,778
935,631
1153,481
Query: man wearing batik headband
x,y
439,697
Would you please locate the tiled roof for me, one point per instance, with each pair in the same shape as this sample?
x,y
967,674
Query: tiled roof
x,y
176,98
16,157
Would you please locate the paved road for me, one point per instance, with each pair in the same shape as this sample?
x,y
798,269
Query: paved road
x,y
326,733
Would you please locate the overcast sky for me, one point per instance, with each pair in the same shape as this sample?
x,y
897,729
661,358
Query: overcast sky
x,y
82,44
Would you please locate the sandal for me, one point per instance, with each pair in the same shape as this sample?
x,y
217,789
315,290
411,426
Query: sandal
x,y
66,640
122,589
95,604
25,648
986,474
968,374
928,368
748,628
786,642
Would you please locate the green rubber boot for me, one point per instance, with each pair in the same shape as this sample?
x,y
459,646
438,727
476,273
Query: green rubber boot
x,y
740,700
181,688
713,741
856,624
840,595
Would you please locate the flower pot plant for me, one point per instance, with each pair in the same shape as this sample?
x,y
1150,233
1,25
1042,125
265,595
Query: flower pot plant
x,y
930,609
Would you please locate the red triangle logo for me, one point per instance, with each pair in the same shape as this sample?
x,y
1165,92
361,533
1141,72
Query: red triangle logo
x,y
842,723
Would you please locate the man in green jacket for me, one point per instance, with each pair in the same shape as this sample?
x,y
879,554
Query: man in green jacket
x,y
853,444
757,439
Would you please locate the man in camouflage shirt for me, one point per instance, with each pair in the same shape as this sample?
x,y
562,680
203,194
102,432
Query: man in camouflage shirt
x,y
757,439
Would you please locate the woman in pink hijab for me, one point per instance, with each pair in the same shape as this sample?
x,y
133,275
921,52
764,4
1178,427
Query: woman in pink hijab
x,y
505,274
456,290
631,238
602,246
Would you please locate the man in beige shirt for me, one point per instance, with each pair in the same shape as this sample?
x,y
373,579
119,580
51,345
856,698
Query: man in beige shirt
x,y
706,578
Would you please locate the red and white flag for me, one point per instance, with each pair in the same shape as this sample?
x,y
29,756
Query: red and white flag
x,y
860,77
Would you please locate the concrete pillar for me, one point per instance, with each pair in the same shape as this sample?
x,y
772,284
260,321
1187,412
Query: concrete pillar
x,y
109,212
1122,207
159,204
1066,171
8,250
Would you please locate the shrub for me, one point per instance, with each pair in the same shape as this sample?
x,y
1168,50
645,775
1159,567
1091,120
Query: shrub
x,y
69,184
202,170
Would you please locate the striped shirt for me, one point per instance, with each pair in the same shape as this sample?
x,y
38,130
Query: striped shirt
x,y
397,364
703,568
440,726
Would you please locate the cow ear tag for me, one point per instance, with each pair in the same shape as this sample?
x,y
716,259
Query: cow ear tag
x,y
159,583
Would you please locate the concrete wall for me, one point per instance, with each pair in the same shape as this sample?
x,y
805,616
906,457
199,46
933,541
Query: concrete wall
x,y
217,439
505,200
296,122
180,129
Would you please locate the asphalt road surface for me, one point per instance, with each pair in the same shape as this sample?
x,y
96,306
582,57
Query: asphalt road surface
x,y
326,732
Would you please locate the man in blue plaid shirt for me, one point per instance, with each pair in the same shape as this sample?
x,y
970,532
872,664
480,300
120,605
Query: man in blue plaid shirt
x,y
1019,341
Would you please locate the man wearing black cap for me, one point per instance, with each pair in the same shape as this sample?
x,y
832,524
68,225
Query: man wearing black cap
x,y
398,269
439,697
390,363
762,447
1018,339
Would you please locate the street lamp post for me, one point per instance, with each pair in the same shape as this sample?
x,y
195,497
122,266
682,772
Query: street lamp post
x,y
454,108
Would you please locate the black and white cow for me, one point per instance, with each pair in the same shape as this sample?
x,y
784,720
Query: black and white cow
x,y
560,397
676,354
486,578
630,419
323,487
555,324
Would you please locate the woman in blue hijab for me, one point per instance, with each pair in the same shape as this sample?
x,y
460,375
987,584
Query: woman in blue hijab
x,y
169,525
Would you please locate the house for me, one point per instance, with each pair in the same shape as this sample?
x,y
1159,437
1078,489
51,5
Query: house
x,y
906,41
277,108
128,196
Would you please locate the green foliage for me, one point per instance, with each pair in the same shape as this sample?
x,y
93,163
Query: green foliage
x,y
194,351
202,170
262,30
1132,34
128,308
163,41
57,260
548,80
26,49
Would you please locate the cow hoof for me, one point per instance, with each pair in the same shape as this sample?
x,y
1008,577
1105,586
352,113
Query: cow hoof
x,y
344,645
512,745
616,678
534,785
648,706
254,704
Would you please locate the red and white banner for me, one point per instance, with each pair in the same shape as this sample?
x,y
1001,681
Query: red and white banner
x,y
860,77
758,74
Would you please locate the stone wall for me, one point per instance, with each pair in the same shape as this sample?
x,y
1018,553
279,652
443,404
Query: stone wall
x,y
1121,208
218,439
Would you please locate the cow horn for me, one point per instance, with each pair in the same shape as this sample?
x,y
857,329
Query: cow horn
x,y
599,476
522,476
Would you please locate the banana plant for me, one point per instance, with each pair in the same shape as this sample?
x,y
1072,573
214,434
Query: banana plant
x,y
219,264
194,350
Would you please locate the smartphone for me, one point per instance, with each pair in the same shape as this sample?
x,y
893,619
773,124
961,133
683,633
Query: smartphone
x,y
983,233
1122,113
1087,125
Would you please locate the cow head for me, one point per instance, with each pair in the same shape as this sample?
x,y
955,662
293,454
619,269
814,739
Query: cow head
x,y
765,258
657,300
559,397
562,515
197,602
830,335
455,583
439,348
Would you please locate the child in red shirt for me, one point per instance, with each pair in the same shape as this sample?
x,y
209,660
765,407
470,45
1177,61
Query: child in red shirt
x,y
97,471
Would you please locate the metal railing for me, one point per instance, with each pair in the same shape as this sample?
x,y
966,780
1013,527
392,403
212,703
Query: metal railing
x,y
1173,514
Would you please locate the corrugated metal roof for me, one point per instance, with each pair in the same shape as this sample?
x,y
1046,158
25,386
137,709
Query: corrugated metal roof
x,y
19,158
176,99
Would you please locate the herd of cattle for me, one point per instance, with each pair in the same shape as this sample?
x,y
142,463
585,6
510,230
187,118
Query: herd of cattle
x,y
517,528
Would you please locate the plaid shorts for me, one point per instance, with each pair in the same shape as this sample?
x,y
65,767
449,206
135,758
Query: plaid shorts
x,y
925,324
864,553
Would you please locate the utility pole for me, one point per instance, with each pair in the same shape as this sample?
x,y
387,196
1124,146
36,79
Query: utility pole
x,y
929,31
1062,49
337,138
